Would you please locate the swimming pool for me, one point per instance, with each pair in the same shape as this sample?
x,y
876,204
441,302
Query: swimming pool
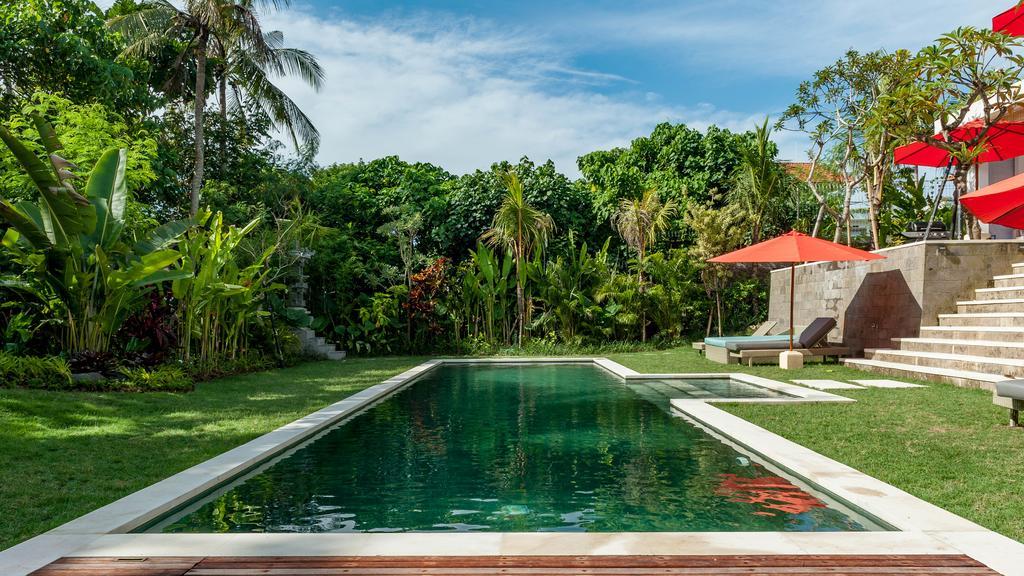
x,y
519,448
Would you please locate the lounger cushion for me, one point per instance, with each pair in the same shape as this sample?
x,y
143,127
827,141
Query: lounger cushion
x,y
816,332
725,341
763,343
1010,389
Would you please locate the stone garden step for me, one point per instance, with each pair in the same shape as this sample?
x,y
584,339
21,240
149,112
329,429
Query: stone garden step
x,y
1007,319
988,348
982,364
963,378
1008,280
1007,292
1001,305
987,333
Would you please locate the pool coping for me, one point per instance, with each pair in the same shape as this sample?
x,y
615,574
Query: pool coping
x,y
925,528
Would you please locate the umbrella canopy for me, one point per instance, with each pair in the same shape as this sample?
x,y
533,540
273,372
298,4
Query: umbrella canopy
x,y
794,248
1010,22
1001,203
1004,140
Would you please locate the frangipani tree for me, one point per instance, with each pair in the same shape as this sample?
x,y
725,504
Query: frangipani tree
x,y
838,109
968,74
70,243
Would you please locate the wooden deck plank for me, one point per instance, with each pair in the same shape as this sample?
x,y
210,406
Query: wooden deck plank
x,y
748,565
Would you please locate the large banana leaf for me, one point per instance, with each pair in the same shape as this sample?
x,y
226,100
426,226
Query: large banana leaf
x,y
108,193
47,135
161,276
162,236
62,216
25,225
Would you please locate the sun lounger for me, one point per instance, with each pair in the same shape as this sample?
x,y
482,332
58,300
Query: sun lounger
x,y
763,330
1010,394
812,342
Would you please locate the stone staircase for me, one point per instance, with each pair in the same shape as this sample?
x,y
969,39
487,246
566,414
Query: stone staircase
x,y
311,343
317,345
979,345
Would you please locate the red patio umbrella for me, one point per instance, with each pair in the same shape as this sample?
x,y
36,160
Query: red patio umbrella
x,y
1004,140
1010,22
795,248
1001,203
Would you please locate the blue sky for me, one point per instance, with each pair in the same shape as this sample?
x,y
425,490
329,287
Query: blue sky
x,y
464,84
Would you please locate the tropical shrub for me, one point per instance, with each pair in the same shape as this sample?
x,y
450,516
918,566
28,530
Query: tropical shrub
x,y
70,245
218,296
568,288
87,132
158,379
41,373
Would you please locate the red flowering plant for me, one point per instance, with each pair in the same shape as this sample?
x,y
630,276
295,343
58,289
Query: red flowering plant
x,y
425,304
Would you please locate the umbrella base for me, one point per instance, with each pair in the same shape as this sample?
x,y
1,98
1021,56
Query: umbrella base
x,y
791,360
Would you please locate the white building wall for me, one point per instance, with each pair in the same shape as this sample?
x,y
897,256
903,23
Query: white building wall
x,y
991,173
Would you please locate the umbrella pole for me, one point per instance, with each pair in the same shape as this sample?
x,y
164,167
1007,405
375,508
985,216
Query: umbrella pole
x,y
792,300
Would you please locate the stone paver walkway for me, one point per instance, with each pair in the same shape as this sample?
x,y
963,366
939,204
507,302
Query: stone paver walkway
x,y
887,384
828,385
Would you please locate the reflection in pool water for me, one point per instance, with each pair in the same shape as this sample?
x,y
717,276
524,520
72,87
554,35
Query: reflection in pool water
x,y
513,448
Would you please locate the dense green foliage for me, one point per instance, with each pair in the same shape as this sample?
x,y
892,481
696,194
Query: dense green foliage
x,y
210,214
31,372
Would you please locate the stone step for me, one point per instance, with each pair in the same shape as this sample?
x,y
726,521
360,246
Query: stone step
x,y
336,355
987,348
962,378
987,333
1005,293
1007,319
1001,305
1008,280
1018,268
1009,367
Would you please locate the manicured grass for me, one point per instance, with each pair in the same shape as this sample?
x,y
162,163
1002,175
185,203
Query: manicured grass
x,y
947,445
66,454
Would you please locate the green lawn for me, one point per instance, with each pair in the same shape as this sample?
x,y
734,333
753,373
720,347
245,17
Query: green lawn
x,y
66,454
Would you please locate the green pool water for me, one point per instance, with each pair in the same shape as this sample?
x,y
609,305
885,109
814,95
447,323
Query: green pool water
x,y
515,448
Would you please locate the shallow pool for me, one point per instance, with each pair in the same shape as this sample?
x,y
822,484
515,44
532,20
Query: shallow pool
x,y
516,448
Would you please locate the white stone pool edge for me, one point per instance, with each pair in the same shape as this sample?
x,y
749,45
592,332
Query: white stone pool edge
x,y
925,528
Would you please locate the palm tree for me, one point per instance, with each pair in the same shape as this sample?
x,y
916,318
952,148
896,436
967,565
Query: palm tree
x,y
639,221
518,227
205,28
760,181
246,75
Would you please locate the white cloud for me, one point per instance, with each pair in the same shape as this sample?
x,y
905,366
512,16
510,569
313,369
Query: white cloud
x,y
784,36
463,93
464,97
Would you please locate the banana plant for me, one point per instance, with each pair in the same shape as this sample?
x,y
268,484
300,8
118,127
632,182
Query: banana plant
x,y
488,291
70,245
218,293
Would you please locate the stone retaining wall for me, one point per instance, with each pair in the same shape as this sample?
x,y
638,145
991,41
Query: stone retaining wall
x,y
883,299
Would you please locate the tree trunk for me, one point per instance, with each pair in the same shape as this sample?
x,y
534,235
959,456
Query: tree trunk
x,y
959,189
200,105
222,90
640,281
819,220
845,222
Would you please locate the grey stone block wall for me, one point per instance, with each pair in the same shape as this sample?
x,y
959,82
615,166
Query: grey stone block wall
x,y
876,301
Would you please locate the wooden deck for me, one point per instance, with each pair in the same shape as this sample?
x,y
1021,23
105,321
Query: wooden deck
x,y
874,565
